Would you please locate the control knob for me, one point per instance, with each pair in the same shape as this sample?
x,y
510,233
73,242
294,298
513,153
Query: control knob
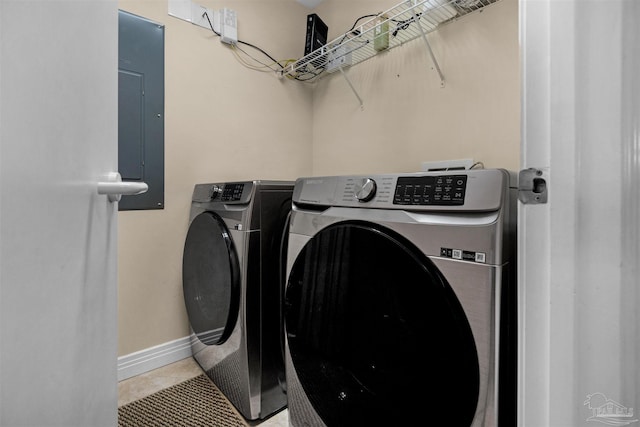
x,y
365,189
214,191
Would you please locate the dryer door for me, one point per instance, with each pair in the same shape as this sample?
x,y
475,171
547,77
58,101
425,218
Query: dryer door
x,y
375,335
210,279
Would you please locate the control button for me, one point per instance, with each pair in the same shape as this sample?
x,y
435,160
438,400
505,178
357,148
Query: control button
x,y
443,190
365,189
214,191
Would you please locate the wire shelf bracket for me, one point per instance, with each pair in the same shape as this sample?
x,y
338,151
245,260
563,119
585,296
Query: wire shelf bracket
x,y
426,42
353,89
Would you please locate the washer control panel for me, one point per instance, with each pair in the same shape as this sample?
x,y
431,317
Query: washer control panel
x,y
442,190
479,190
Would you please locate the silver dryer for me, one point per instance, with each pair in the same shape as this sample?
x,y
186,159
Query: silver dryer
x,y
233,272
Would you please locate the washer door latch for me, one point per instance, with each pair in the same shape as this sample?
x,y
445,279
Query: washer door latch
x,y
532,187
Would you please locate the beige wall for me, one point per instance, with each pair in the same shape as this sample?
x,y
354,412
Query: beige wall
x,y
407,116
225,122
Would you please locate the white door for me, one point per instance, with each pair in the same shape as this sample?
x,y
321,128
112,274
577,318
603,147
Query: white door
x,y
58,136
579,254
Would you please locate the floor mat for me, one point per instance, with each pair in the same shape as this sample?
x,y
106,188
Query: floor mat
x,y
194,403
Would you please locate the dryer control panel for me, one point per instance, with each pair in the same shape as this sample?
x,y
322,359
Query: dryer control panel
x,y
224,192
443,190
232,192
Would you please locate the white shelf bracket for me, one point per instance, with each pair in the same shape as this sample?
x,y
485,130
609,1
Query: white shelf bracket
x,y
351,86
424,38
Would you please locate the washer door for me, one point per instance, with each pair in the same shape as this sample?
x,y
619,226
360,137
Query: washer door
x,y
210,279
376,335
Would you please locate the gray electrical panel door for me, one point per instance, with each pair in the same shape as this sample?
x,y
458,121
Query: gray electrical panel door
x,y
141,109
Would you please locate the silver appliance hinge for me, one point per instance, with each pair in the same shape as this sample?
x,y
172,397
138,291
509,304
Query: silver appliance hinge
x,y
532,187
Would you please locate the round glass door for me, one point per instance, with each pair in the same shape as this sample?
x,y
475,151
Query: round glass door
x,y
210,279
375,333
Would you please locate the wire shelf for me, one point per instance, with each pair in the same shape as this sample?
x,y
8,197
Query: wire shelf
x,y
400,24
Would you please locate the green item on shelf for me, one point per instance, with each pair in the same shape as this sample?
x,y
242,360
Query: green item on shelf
x,y
381,33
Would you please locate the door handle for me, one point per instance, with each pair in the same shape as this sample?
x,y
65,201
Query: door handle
x,y
114,187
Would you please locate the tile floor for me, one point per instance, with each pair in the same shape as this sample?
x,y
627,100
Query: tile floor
x,y
145,384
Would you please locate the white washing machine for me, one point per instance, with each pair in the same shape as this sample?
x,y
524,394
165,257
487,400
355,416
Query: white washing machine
x,y
233,279
400,300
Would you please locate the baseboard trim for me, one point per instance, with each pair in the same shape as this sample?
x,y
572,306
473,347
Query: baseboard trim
x,y
152,358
